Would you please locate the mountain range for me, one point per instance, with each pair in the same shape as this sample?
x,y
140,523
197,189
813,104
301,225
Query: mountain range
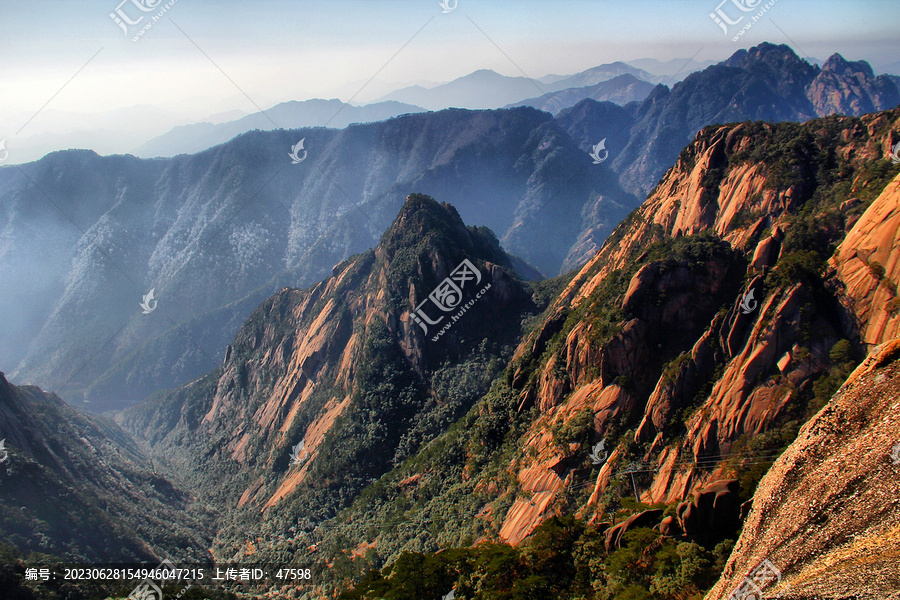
x,y
215,233
488,89
683,404
619,90
189,139
479,90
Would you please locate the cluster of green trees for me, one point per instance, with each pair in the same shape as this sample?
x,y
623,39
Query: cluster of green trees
x,y
563,559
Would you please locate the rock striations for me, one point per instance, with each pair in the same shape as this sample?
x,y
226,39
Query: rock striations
x,y
826,515
708,349
341,366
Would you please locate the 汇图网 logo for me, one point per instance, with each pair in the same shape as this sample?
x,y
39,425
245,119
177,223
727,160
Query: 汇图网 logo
x,y
598,453
748,303
449,5
752,586
298,454
723,20
595,152
447,297
121,18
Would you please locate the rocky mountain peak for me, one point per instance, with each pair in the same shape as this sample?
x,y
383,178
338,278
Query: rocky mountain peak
x,y
421,217
850,87
838,64
779,57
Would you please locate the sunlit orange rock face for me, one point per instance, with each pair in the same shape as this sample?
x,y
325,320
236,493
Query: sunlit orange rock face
x,y
739,371
826,513
868,264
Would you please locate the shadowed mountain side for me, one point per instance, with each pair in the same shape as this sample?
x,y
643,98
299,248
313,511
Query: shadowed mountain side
x,y
80,488
235,223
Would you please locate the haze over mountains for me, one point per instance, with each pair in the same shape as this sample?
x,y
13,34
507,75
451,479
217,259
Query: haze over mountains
x,y
478,90
189,139
700,346
487,89
216,233
148,131
603,343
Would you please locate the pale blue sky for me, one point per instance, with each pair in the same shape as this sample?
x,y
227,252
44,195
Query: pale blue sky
x,y
296,49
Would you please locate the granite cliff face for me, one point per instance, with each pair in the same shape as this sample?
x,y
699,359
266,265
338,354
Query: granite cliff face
x,y
711,347
867,264
826,516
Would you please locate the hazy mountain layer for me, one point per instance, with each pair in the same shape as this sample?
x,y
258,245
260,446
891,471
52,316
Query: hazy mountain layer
x,y
620,90
188,139
215,233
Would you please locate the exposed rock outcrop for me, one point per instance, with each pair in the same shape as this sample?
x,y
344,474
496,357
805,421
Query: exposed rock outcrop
x,y
827,514
850,88
868,266
700,382
293,371
713,513
614,535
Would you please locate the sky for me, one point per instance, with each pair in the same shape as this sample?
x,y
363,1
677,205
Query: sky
x,y
67,65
